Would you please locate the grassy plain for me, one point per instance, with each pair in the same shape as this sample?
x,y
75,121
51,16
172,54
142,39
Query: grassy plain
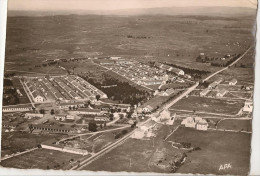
x,y
217,148
175,39
230,124
41,159
20,141
210,105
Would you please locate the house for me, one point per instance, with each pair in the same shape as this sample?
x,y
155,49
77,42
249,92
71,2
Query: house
x,y
71,105
150,82
187,76
204,92
107,62
123,107
168,92
221,93
37,97
248,106
148,108
134,115
33,115
195,122
60,117
202,125
212,85
101,119
233,82
89,111
123,61
70,117
189,122
115,58
218,81
177,71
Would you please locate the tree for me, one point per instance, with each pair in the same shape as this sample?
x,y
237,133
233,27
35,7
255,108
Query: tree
x,y
97,97
52,112
42,111
92,126
111,117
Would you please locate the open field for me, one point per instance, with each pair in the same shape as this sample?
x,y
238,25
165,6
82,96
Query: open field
x,y
22,99
217,148
210,105
139,155
167,38
20,141
41,159
230,124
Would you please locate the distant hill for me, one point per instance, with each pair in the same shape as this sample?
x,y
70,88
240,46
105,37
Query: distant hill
x,y
203,11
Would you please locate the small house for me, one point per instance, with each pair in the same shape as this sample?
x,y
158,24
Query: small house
x,y
189,122
148,108
218,81
202,125
221,93
248,106
60,117
232,82
204,92
212,85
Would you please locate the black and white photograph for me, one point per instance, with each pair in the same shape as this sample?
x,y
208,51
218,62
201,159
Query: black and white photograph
x,y
133,86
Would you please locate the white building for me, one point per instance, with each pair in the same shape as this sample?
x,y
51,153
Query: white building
x,y
202,124
38,99
60,117
197,123
147,109
189,122
70,117
101,119
232,82
248,107
219,80
221,93
204,92
32,115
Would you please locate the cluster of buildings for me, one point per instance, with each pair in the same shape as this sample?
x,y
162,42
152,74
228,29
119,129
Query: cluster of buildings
x,y
139,73
220,92
17,108
195,122
167,92
63,88
170,69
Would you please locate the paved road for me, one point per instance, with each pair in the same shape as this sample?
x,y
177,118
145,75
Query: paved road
x,y
167,106
123,139
189,90
32,102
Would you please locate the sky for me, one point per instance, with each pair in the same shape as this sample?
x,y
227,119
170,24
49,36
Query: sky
x,y
50,5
